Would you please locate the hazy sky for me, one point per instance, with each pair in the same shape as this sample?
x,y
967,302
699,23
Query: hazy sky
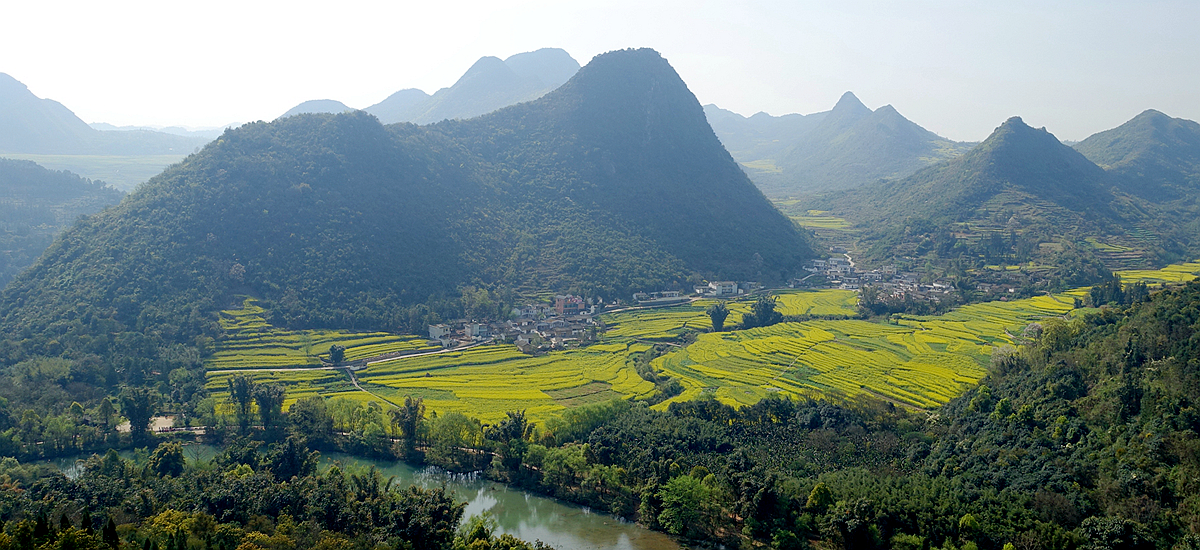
x,y
957,67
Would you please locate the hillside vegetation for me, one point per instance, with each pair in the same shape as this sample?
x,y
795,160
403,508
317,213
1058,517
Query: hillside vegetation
x,y
610,184
36,205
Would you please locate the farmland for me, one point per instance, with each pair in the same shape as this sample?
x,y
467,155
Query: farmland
x,y
251,343
914,361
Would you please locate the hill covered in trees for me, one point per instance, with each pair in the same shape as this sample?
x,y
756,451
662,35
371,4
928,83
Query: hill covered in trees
x,y
1153,156
612,183
35,205
846,147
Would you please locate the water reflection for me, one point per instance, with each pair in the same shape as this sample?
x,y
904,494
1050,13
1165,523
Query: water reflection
x,y
525,515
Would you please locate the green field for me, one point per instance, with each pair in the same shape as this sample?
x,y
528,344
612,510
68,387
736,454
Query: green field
x,y
920,361
251,343
820,220
1177,273
915,361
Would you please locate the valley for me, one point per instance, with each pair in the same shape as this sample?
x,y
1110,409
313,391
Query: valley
x,y
920,362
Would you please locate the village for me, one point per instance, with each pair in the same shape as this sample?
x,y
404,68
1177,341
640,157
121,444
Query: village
x,y
571,320
839,271
568,321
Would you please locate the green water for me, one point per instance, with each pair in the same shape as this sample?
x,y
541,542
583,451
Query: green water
x,y
526,515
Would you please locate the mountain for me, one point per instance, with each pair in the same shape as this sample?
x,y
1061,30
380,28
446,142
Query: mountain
x,y
1153,156
317,106
35,205
759,139
401,106
488,85
612,183
29,124
1016,164
845,147
1019,188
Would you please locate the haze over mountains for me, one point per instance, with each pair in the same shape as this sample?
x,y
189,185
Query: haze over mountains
x,y
845,147
614,182
491,83
29,124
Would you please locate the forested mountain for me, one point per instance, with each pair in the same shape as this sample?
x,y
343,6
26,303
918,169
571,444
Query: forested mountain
x,y
317,106
35,205
488,85
29,124
846,147
1017,167
1152,156
612,183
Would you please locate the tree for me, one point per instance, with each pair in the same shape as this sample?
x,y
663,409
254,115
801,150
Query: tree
x,y
139,405
762,313
270,403
337,354
408,419
684,500
718,312
241,391
819,499
167,460
310,420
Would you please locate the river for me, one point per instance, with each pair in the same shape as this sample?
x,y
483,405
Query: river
x,y
525,515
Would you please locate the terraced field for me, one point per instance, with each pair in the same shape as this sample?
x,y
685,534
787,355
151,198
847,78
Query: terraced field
x,y
489,380
914,361
919,361
253,344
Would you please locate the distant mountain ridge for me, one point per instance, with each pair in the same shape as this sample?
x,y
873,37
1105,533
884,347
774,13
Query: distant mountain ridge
x,y
611,183
317,106
845,147
489,84
29,124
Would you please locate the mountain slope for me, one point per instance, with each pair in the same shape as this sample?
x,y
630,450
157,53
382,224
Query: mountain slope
x,y
317,106
401,106
35,205
842,148
610,184
1016,164
1153,156
29,124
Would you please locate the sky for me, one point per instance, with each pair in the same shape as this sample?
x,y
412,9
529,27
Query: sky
x,y
957,67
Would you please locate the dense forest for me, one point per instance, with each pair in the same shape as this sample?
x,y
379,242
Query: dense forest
x,y
1083,438
36,205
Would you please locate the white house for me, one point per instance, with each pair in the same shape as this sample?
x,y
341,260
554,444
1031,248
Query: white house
x,y
439,332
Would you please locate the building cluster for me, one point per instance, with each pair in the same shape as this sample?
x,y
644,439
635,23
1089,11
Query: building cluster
x,y
839,272
532,327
